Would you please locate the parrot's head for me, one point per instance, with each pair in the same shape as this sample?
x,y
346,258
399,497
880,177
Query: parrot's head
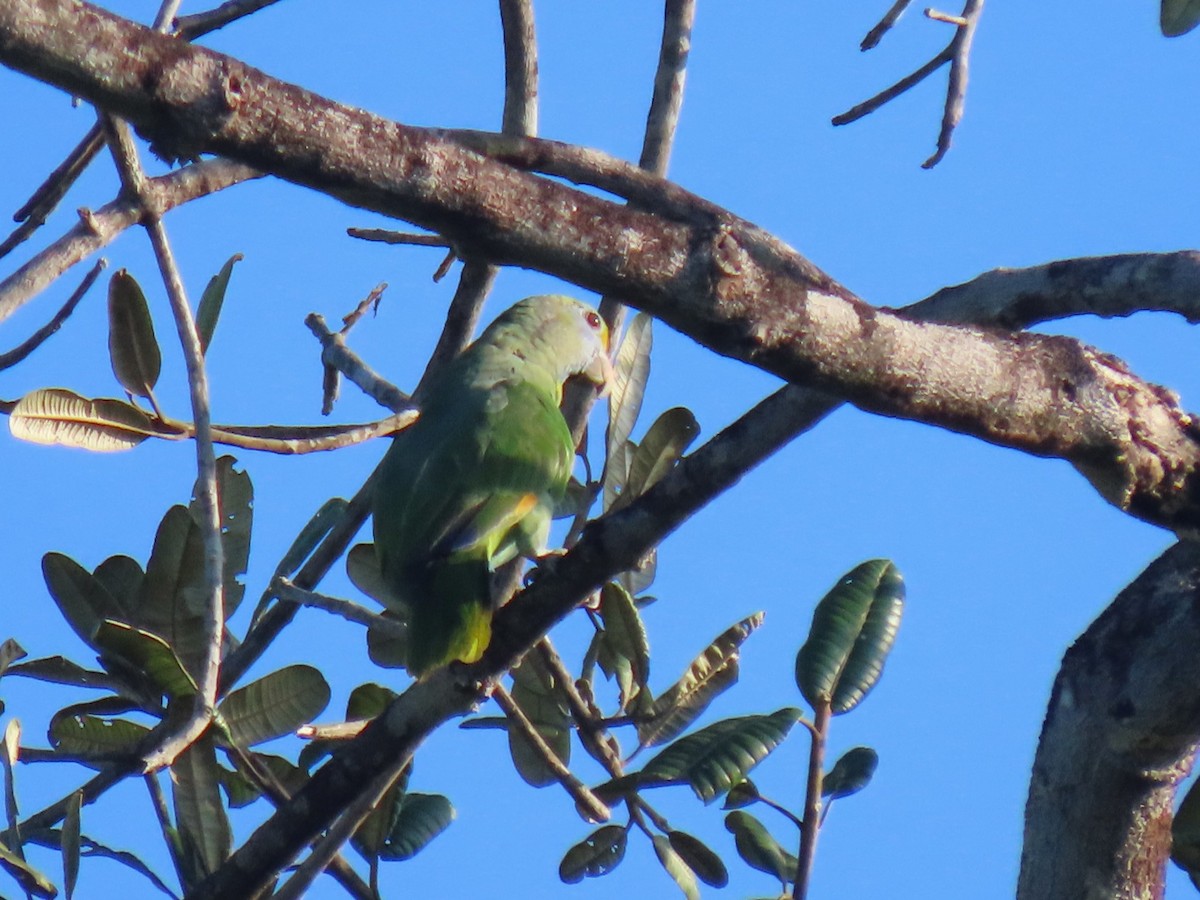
x,y
566,335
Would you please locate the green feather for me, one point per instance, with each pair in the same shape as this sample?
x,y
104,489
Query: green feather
x,y
473,482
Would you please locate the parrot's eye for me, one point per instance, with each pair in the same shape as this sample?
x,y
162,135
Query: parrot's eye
x,y
593,319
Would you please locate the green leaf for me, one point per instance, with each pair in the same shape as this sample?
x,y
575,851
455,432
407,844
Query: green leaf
x,y
699,858
53,838
204,831
714,759
60,670
422,818
274,705
624,640
70,843
148,653
132,346
851,773
81,598
368,700
311,535
710,673
211,301
630,374
676,867
744,793
10,652
172,599
31,880
853,630
597,854
92,736
122,577
758,848
387,647
362,565
670,435
535,692
240,792
59,416
1178,17
236,497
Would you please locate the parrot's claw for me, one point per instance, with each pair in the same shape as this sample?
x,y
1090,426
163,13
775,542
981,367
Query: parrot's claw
x,y
543,565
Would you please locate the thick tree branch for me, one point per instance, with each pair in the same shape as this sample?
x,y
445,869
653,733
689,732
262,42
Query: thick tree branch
x,y
1120,735
717,279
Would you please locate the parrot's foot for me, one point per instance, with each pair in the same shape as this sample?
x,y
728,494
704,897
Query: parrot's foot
x,y
543,565
460,675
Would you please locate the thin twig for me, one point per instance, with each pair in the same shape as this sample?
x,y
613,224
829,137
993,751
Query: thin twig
x,y
589,805
957,53
386,236
519,119
159,801
284,589
884,25
134,180
956,90
810,824
35,340
50,192
97,228
326,849
336,355
891,93
662,120
193,26
277,793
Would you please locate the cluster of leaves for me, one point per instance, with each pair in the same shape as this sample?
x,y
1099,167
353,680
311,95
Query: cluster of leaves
x,y
148,628
853,630
105,424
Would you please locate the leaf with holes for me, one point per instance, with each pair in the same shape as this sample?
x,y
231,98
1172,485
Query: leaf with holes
x,y
710,673
597,854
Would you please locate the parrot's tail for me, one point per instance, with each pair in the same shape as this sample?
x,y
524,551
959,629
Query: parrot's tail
x,y
449,630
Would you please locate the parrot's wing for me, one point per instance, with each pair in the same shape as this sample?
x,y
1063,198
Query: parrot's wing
x,y
483,526
475,470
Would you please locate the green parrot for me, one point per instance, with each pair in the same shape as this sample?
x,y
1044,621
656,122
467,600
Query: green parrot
x,y
474,481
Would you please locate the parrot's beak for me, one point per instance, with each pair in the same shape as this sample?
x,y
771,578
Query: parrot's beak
x,y
600,373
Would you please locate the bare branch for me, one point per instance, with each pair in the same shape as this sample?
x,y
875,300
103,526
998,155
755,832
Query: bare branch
x,y
35,340
385,236
351,612
884,25
336,355
519,119
51,191
957,53
191,27
956,90
98,228
1103,286
588,804
134,180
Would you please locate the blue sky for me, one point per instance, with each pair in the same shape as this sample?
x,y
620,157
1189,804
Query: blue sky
x,y
1079,139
